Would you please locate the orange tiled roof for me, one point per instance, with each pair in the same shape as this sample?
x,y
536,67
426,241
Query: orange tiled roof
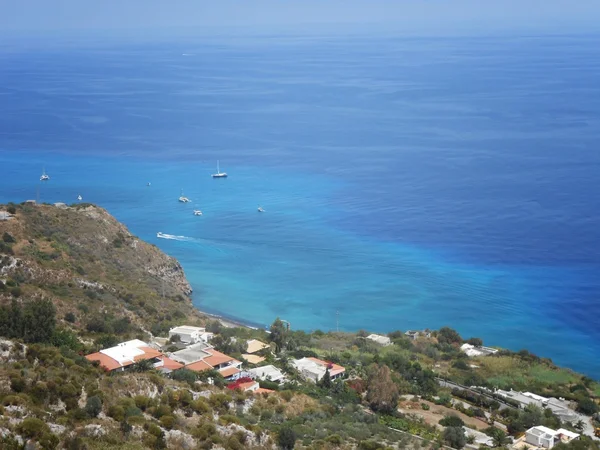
x,y
168,363
199,366
246,386
149,353
263,391
105,361
217,358
229,371
335,369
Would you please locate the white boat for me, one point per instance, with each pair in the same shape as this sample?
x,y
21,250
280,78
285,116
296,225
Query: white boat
x,y
197,212
159,234
183,199
79,197
260,209
44,177
219,174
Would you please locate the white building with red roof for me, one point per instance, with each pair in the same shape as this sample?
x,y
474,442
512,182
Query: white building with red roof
x,y
120,356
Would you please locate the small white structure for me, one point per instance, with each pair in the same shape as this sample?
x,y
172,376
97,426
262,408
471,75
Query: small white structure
x,y
411,334
472,350
4,215
381,340
545,437
270,373
190,335
314,369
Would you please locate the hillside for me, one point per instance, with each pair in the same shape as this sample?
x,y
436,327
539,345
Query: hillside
x,y
97,274
75,281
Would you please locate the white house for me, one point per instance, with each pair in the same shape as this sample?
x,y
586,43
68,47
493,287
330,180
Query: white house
x,y
381,340
269,372
541,436
314,369
190,335
472,350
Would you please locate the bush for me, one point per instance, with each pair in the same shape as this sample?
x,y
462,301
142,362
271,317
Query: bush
x,y
167,422
455,437
117,412
587,406
11,209
8,238
451,421
286,438
70,317
93,406
33,428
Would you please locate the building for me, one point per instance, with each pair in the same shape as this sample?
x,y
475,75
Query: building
x,y
381,340
269,373
201,357
546,437
190,335
314,369
244,385
411,334
472,350
120,356
255,346
253,359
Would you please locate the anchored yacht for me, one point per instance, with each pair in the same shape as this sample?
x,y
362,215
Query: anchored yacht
x,y
44,177
219,174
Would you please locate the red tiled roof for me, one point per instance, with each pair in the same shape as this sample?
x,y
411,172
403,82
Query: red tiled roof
x,y
263,391
105,361
216,358
168,363
199,366
149,353
229,371
334,369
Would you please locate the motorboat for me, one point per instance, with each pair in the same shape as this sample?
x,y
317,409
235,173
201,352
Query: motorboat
x,y
219,174
197,212
261,209
160,235
44,176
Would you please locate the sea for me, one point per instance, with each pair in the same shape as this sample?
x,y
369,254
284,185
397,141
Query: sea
x,y
408,182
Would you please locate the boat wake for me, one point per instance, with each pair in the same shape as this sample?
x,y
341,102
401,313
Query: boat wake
x,y
174,237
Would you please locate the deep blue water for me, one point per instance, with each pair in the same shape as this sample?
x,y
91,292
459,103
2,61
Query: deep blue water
x,y
407,182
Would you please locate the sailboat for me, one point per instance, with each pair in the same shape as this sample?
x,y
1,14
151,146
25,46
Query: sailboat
x,y
219,174
183,199
79,197
44,177
197,212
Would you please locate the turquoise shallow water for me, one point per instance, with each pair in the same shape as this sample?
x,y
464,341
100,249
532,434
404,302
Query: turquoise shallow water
x,y
407,183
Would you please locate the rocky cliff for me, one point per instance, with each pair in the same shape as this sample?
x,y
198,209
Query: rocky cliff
x,y
90,264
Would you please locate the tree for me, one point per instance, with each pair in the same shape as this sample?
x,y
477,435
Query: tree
x,y
447,335
382,393
286,438
39,321
587,406
142,366
455,437
325,382
477,342
279,334
498,436
93,406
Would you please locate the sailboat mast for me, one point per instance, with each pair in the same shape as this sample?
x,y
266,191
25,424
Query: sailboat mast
x,y
218,170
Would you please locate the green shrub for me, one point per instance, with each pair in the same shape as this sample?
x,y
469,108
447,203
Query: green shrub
x,y
32,427
6,237
93,406
451,421
70,317
167,422
117,412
